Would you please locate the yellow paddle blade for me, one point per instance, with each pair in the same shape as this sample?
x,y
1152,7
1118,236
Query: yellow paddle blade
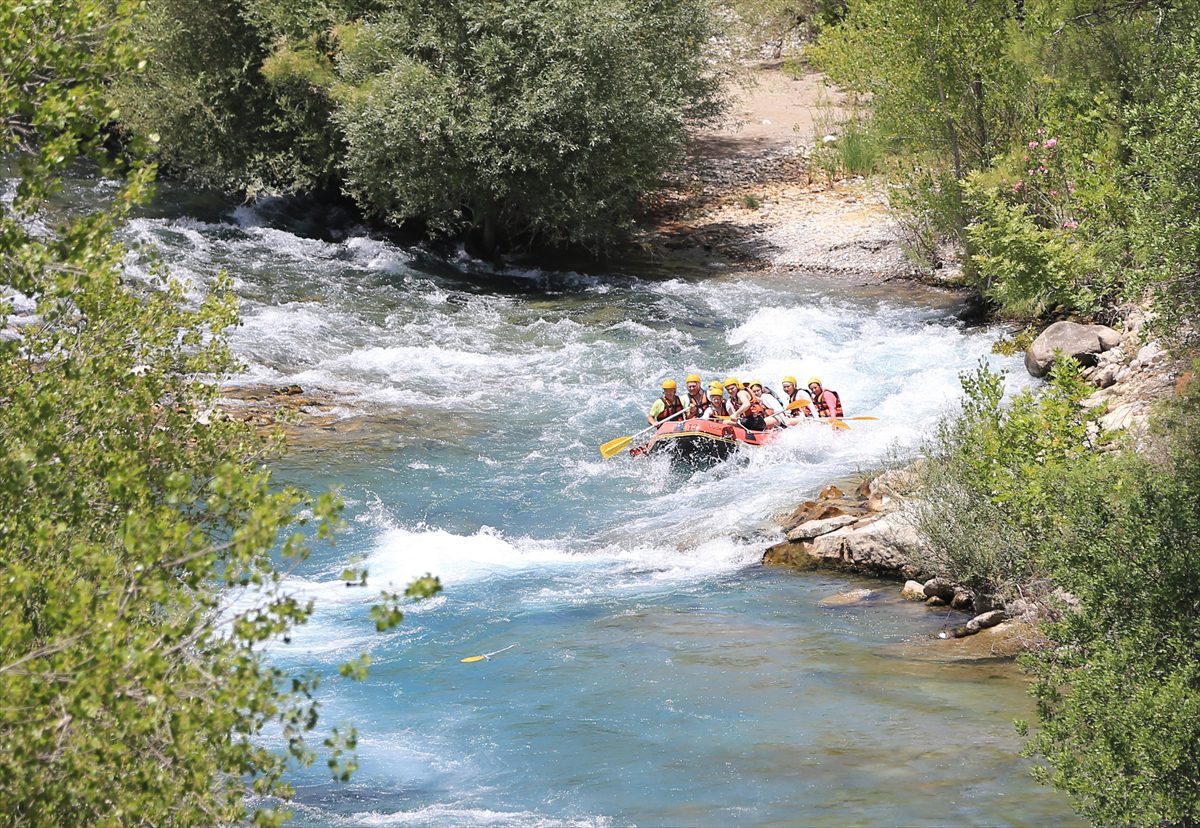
x,y
860,418
837,424
797,405
469,659
614,447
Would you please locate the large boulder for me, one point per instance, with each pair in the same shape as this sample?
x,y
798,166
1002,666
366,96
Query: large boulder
x,y
1080,341
884,545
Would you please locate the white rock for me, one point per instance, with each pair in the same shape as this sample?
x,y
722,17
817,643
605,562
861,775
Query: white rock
x,y
913,591
815,528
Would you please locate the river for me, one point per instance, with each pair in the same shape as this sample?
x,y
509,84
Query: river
x,y
656,673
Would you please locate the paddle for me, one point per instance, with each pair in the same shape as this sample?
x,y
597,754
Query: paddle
x,y
486,656
615,446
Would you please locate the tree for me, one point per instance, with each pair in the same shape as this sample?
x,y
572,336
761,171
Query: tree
x,y
506,120
137,525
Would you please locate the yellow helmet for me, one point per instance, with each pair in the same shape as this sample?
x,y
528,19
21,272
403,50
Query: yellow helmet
x,y
815,381
692,378
792,380
753,383
669,384
715,390
732,381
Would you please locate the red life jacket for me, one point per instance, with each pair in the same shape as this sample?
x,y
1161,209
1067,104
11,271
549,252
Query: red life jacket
x,y
822,403
757,408
670,408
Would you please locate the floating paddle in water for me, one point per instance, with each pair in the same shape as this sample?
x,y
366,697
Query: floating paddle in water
x,y
486,656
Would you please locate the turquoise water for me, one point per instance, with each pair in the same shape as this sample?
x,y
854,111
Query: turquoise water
x,y
658,674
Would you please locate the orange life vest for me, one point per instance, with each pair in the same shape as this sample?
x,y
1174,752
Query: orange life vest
x,y
670,407
699,403
822,403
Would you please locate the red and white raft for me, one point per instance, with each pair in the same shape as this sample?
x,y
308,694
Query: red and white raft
x,y
702,440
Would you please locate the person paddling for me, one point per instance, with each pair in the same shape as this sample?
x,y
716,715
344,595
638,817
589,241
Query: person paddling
x,y
792,393
769,397
697,400
735,394
828,403
666,406
753,415
718,408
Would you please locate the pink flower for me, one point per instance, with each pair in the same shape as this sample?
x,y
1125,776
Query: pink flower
x,y
1070,224
1017,187
1029,172
1033,144
1054,193
1043,170
1071,189
1025,157
1041,131
1051,143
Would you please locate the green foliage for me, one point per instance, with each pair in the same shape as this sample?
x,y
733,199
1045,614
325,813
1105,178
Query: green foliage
x,y
1164,142
228,116
137,525
856,151
519,119
1119,689
1026,269
939,74
990,486
509,119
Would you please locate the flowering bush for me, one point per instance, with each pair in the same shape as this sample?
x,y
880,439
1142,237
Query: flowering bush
x,y
1044,185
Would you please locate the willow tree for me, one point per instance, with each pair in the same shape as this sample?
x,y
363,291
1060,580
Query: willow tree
x,y
504,120
137,526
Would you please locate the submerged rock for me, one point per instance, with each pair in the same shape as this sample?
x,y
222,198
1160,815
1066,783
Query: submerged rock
x,y
845,599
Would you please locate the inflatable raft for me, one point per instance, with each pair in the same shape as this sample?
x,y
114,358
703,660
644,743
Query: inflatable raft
x,y
702,440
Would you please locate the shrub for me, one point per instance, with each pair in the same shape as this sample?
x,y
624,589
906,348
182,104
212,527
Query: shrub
x,y
990,486
1119,689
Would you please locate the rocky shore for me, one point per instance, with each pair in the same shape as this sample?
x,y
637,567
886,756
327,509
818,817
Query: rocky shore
x,y
872,529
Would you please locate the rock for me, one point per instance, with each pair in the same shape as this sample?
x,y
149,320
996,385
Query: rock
x,y
289,390
913,591
1121,417
880,545
1073,339
896,482
962,600
983,603
814,528
881,502
1104,377
940,588
845,599
985,620
1108,337
935,602
788,553
1149,353
963,630
830,492
822,509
